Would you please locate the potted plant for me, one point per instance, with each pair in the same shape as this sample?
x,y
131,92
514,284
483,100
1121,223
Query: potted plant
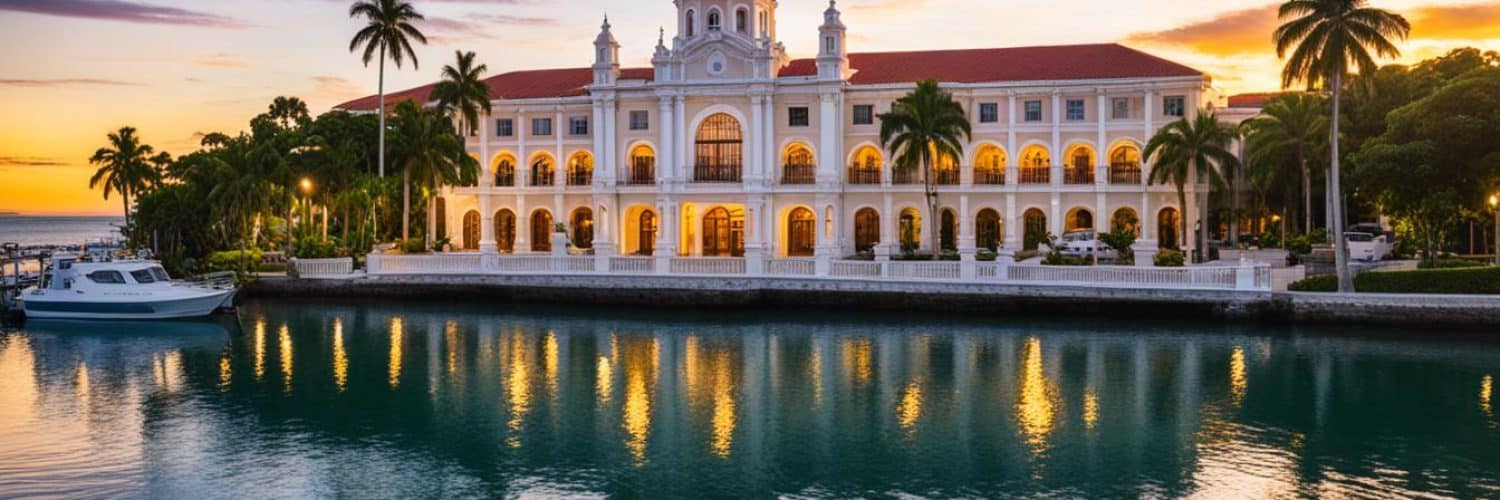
x,y
560,239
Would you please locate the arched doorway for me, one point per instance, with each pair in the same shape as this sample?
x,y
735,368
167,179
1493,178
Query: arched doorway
x,y
866,229
948,231
911,230
642,165
582,226
723,234
541,231
1126,219
581,169
646,236
1168,223
505,171
1036,229
471,230
440,214
802,233
718,150
1080,219
987,230
505,230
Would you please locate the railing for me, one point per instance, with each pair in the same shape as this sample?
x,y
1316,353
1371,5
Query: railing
x,y
1036,175
798,174
312,268
1078,175
989,177
641,174
581,178
906,176
864,175
542,178
505,180
1243,277
716,173
1125,174
946,177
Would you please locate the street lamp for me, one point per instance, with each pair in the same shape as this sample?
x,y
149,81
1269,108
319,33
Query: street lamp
x,y
1495,207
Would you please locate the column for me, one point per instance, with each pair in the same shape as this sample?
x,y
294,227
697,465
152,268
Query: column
x,y
828,142
1054,219
486,226
666,235
1148,115
1013,224
1101,158
597,129
523,162
758,163
965,227
889,220
523,225
484,153
683,167
1057,152
559,173
665,150
609,157
486,178
755,246
768,137
1012,157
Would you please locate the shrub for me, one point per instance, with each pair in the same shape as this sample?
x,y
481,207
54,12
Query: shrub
x,y
1053,259
950,255
560,228
1170,258
986,255
313,247
1450,264
1472,281
233,260
441,244
1299,245
913,256
1269,239
414,245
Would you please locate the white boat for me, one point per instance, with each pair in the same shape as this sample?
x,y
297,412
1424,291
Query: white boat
x,y
120,290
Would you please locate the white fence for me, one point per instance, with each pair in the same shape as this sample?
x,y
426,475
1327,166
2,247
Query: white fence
x,y
1244,277
317,268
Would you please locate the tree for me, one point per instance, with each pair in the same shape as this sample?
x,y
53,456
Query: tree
x,y
923,127
1320,40
1288,134
389,31
1184,150
462,92
126,167
429,149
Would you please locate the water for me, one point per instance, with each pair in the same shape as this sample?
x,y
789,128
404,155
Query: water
x,y
47,230
416,400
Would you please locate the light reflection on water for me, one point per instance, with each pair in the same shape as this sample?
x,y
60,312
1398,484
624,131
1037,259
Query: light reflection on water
x,y
563,402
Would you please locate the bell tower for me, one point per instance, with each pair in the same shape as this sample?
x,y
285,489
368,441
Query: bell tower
x,y
753,20
606,56
833,55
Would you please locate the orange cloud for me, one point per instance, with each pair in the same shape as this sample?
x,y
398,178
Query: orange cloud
x,y
1479,21
222,61
1232,33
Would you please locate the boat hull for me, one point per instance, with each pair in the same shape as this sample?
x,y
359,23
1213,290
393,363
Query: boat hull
x,y
195,306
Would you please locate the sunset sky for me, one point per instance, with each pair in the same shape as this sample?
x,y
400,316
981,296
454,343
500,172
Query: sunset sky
x,y
73,70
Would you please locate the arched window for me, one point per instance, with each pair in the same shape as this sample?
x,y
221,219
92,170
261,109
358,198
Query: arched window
x,y
948,230
989,165
1167,227
866,167
946,170
910,230
581,169
541,231
471,230
1125,165
647,233
642,165
1126,219
1036,229
1080,166
582,225
987,230
723,234
1036,165
719,150
798,166
505,230
802,233
440,213
714,23
505,172
765,25
541,171
692,22
741,20
866,229
1080,219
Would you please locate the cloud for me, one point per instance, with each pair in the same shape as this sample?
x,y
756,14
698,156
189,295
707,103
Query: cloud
x,y
121,10
887,6
336,88
30,161
515,21
1480,21
1232,33
222,61
451,31
64,82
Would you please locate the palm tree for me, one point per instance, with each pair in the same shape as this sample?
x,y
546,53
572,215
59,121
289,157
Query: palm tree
x,y
1325,38
462,91
1184,150
388,31
430,150
126,167
1290,131
922,128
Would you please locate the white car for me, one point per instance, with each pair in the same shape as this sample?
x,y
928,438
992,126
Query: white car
x,y
1369,247
1086,244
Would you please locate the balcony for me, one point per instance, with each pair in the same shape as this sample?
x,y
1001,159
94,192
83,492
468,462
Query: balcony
x,y
798,174
580,178
505,179
946,177
1078,175
542,178
1125,173
989,177
717,173
864,175
906,176
1036,175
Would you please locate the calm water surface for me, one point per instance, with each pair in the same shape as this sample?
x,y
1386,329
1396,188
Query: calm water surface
x,y
390,400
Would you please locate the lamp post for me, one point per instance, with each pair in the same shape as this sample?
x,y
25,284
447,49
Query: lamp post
x,y
1495,207
307,187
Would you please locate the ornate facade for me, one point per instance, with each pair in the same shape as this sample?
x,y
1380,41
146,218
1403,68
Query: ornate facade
x,y
727,147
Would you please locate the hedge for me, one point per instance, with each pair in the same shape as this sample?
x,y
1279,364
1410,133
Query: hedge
x,y
1465,281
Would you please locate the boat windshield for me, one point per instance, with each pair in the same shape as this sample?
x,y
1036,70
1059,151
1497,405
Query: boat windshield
x,y
143,276
160,274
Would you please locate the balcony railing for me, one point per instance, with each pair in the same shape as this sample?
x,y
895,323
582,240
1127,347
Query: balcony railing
x,y
505,179
946,177
1125,173
864,175
1036,175
641,174
798,174
716,173
542,178
906,176
1078,175
581,178
989,177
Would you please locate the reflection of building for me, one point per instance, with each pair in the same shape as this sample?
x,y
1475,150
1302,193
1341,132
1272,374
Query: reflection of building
x,y
727,147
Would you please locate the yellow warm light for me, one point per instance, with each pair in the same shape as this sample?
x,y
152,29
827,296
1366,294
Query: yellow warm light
x,y
284,341
1238,381
724,419
909,409
1035,408
604,383
858,359
640,368
519,388
1090,409
306,185
226,372
393,369
815,373
1495,201
18,379
260,348
340,357
450,342
1486,394
81,382
549,361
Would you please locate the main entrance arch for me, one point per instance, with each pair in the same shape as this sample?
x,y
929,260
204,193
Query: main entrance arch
x,y
723,233
802,233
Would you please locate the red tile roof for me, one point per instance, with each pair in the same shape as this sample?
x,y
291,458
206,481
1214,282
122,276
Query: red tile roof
x,y
1255,100
1019,64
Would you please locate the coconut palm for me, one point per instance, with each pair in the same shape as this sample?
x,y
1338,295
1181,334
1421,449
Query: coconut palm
x,y
924,127
1289,133
462,91
389,31
1192,149
126,167
1321,40
429,150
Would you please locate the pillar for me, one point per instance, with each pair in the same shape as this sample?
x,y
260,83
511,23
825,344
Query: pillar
x,y
665,150
755,245
1012,160
1056,146
755,150
828,141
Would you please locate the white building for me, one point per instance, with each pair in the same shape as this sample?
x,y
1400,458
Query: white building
x,y
728,147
